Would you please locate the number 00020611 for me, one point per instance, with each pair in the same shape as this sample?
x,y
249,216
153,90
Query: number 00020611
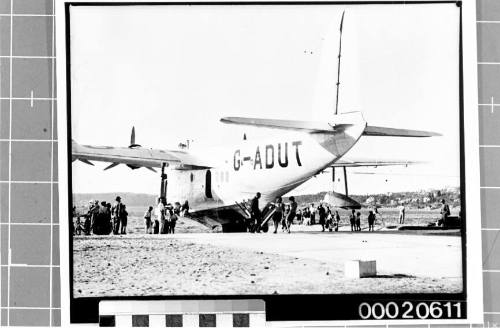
x,y
410,310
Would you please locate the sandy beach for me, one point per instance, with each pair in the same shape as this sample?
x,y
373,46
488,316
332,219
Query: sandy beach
x,y
226,264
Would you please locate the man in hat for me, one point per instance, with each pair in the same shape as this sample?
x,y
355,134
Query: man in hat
x,y
123,220
116,212
445,212
159,224
291,215
255,212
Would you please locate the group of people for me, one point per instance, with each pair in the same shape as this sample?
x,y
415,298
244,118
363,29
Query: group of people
x,y
163,218
330,220
102,218
326,218
355,219
284,214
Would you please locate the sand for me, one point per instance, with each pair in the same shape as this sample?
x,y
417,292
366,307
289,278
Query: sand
x,y
228,264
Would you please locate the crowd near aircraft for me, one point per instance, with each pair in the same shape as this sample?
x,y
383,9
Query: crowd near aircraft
x,y
215,181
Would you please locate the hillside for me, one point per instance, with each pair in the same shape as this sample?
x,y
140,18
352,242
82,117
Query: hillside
x,y
130,199
418,199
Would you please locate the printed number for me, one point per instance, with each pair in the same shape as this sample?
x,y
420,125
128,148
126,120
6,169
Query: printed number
x,y
378,311
421,310
436,311
374,311
426,309
410,308
368,310
394,313
459,310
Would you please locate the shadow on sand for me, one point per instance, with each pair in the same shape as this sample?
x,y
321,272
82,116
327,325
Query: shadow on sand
x,y
393,276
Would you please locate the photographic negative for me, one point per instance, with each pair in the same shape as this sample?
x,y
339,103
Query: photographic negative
x,y
292,152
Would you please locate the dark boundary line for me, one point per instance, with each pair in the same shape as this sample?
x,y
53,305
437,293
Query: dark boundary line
x,y
278,307
252,3
463,202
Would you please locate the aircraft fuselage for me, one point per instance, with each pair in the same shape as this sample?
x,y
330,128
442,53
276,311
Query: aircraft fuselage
x,y
272,166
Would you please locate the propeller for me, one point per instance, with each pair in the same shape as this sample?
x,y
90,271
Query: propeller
x,y
86,161
111,166
131,146
132,139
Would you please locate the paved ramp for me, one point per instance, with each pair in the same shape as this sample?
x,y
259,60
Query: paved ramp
x,y
395,253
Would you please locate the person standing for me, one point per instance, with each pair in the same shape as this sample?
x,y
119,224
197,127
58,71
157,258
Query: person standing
x,y
321,214
123,220
168,217
109,219
159,217
292,213
352,219
337,220
255,212
79,227
329,219
358,221
185,209
402,213
307,216
371,221
445,212
148,220
313,214
94,215
285,215
299,216
173,220
177,208
278,213
102,222
116,211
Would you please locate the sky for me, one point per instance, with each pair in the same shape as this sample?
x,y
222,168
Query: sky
x,y
174,71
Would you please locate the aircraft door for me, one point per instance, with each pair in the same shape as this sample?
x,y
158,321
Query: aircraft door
x,y
208,184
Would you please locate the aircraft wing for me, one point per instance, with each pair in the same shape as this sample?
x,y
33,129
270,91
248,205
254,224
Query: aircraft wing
x,y
360,162
135,157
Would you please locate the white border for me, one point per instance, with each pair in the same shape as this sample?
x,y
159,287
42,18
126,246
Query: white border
x,y
471,149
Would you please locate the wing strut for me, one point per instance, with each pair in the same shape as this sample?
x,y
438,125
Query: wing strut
x,y
164,183
338,66
345,182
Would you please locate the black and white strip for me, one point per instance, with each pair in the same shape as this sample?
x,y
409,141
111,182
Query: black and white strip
x,y
223,313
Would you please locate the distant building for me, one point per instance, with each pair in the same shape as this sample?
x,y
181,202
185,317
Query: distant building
x,y
370,200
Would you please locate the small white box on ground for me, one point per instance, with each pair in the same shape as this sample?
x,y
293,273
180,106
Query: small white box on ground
x,y
360,269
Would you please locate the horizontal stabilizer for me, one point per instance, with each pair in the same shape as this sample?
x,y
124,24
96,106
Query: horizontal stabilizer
x,y
361,162
304,126
390,132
